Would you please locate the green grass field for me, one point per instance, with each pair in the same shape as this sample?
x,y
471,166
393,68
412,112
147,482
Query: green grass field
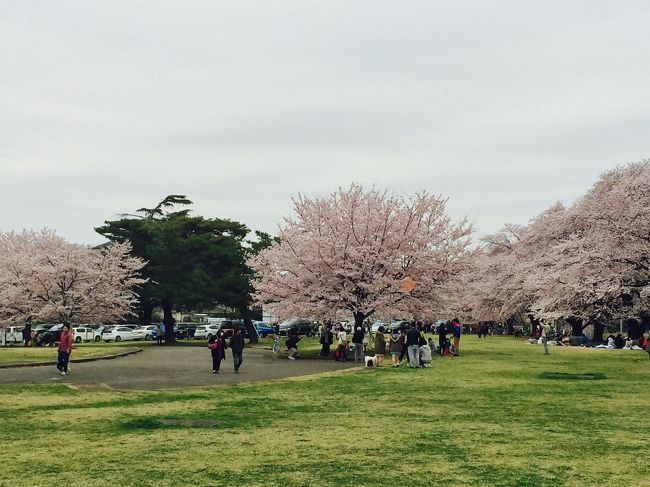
x,y
503,414
19,355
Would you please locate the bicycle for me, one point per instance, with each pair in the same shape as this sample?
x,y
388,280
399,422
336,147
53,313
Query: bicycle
x,y
276,345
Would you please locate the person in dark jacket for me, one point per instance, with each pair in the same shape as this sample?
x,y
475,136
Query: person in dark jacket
x,y
442,335
217,346
237,347
357,339
326,339
619,342
413,346
292,345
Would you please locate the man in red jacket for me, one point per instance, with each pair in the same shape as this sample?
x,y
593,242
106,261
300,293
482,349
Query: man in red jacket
x,y
65,348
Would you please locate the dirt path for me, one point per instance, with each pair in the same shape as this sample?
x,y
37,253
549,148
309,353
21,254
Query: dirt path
x,y
158,368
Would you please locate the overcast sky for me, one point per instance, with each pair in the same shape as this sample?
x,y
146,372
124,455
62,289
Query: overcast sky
x,y
504,106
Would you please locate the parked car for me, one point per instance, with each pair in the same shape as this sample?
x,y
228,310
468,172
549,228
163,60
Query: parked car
x,y
263,329
14,334
84,333
43,337
297,323
185,330
228,328
206,331
374,328
147,332
133,326
302,329
117,333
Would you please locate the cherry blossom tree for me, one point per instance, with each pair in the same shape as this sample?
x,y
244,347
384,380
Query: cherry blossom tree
x,y
588,263
364,253
43,277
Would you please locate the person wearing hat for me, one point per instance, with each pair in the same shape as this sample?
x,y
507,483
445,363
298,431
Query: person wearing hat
x,y
357,339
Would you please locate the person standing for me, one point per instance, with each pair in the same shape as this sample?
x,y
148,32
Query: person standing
x,y
326,340
380,346
395,346
27,334
217,346
442,335
545,332
342,344
237,347
357,339
159,334
413,346
456,329
65,349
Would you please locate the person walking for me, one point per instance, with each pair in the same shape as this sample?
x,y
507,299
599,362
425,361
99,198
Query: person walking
x,y
357,339
237,347
65,349
217,346
380,346
395,343
456,329
413,346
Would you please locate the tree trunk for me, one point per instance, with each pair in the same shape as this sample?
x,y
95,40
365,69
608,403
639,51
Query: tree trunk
x,y
576,326
599,329
147,311
510,325
168,320
248,323
358,319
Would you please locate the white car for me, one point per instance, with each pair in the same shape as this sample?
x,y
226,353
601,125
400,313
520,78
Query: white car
x,y
147,332
117,333
206,331
14,334
84,333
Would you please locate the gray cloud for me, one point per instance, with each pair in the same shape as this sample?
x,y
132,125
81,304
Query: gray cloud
x,y
505,107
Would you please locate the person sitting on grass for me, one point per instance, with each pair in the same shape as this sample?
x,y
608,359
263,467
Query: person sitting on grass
x,y
292,345
432,345
584,341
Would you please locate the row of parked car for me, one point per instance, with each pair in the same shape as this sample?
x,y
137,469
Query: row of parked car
x,y
50,333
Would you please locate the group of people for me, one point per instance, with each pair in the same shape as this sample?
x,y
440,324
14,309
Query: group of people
x,y
217,346
408,340
618,342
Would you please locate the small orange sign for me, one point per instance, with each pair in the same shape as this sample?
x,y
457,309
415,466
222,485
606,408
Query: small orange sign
x,y
407,284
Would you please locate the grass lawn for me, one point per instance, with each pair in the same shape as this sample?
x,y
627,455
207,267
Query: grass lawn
x,y
19,355
502,414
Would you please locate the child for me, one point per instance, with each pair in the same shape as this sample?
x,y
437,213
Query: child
x,y
446,347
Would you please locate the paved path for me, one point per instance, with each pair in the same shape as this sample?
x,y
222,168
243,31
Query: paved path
x,y
158,368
